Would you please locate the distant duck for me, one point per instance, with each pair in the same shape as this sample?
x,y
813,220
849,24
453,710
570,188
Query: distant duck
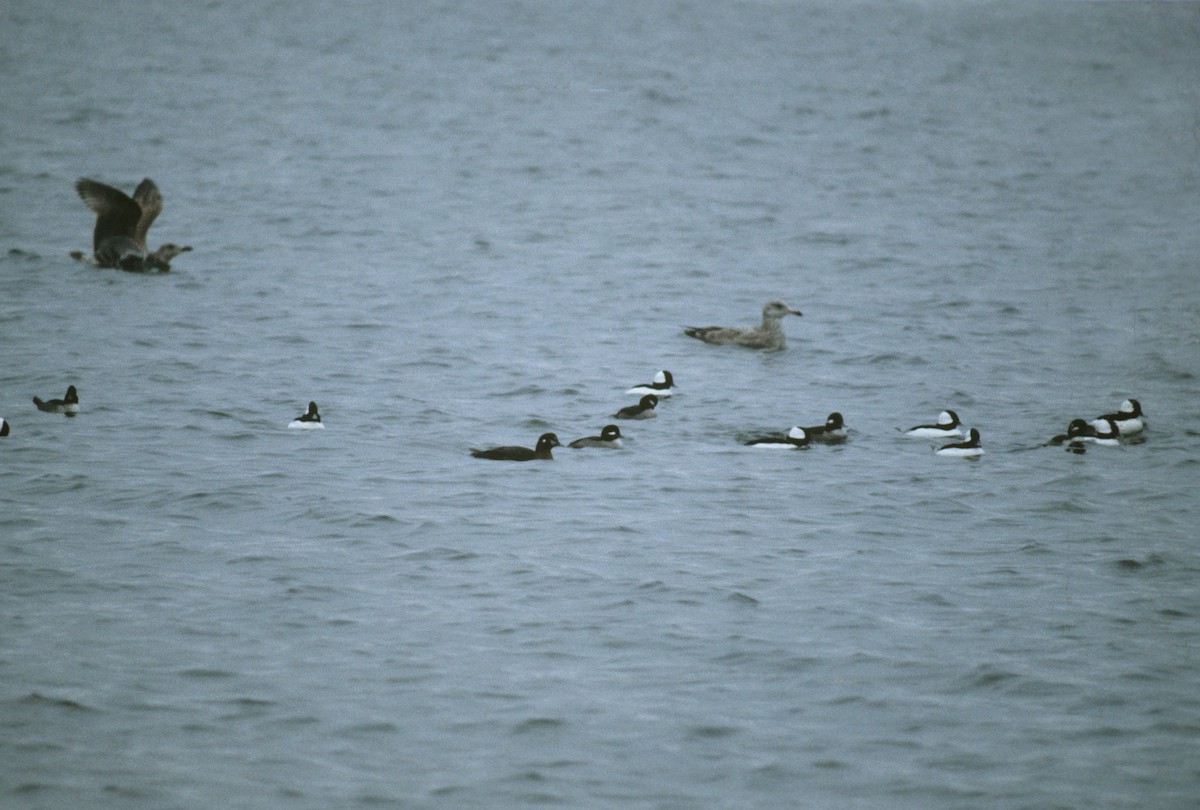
x,y
768,335
310,420
1129,419
68,405
971,448
610,436
661,387
3,426
947,427
643,410
119,239
796,438
545,443
832,432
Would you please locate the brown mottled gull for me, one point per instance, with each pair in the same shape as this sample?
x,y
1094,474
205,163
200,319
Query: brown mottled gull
x,y
769,335
121,225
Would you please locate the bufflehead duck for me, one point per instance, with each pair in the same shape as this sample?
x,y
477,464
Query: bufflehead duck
x,y
69,404
971,448
1077,430
311,420
119,239
3,427
796,438
661,387
832,432
643,410
610,436
1108,435
768,335
1129,419
947,427
510,453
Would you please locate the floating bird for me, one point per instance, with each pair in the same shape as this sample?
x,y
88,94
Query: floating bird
x,y
661,387
768,335
1077,430
947,427
1129,419
3,427
643,410
796,438
119,239
68,405
971,448
832,432
510,453
311,420
610,436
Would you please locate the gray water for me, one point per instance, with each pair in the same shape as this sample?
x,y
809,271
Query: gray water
x,y
464,224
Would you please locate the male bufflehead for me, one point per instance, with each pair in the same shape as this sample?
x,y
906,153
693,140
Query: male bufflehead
x,y
832,432
661,387
1129,419
610,436
3,427
311,420
947,427
768,335
1108,435
510,453
795,439
971,448
643,410
68,405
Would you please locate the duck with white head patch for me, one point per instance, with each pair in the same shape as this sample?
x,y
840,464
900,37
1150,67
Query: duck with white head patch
x,y
545,443
947,427
643,410
3,427
971,448
661,387
767,335
610,436
832,432
309,420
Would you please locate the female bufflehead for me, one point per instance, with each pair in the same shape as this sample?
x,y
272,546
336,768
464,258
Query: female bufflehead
x,y
509,453
69,404
1077,430
832,432
3,427
1129,419
308,421
947,427
643,410
971,448
610,436
661,387
795,439
768,335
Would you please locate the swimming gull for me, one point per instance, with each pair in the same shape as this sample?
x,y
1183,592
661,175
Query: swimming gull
x,y
769,335
119,239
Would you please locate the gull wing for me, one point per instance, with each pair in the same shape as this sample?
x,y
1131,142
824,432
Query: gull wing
x,y
116,213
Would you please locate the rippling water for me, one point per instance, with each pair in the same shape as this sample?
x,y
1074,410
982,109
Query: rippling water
x,y
465,224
